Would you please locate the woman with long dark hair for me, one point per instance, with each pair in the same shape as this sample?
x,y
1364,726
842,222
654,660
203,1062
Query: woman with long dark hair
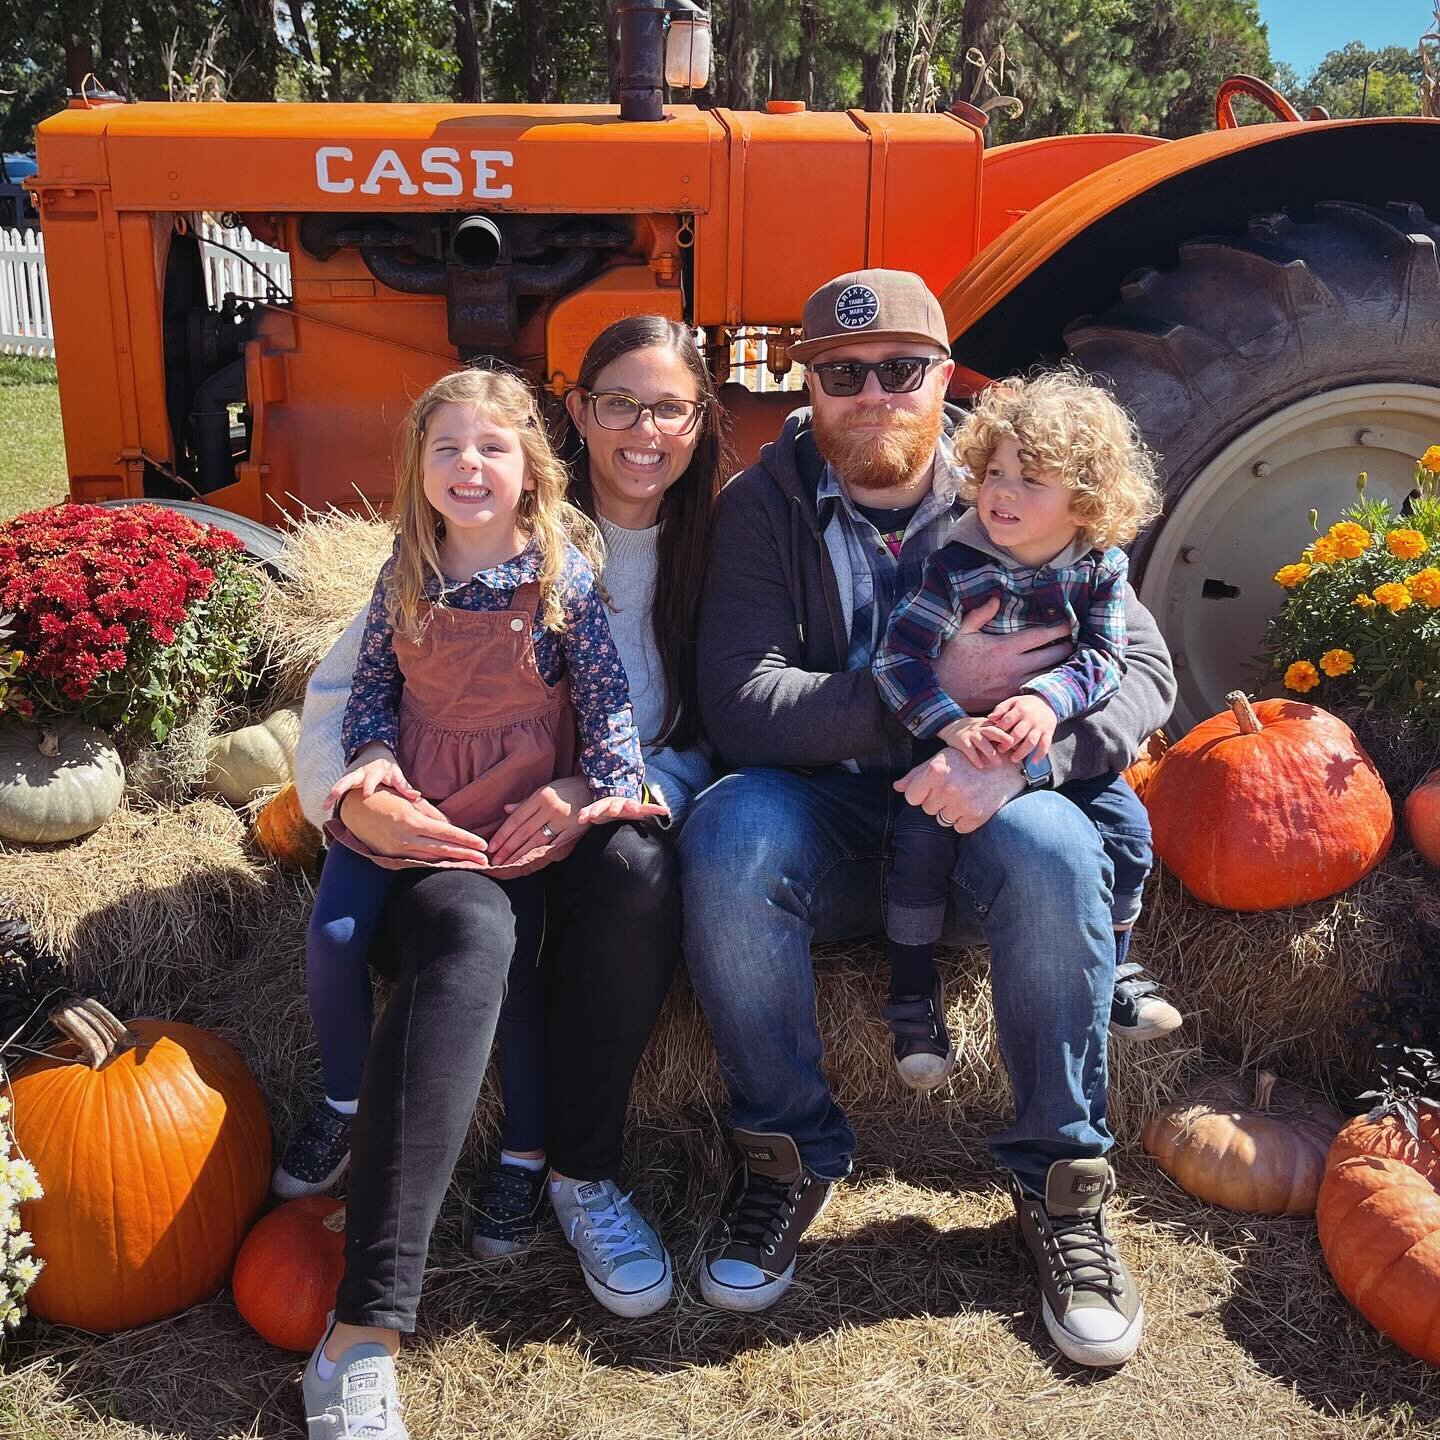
x,y
646,452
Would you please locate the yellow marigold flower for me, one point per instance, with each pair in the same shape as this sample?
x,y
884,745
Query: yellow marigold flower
x,y
1430,460
1424,585
1406,544
1302,676
1325,551
1349,538
1291,575
1337,662
1393,596
1364,602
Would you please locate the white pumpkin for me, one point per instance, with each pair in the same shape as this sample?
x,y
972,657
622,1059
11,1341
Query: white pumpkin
x,y
56,782
253,759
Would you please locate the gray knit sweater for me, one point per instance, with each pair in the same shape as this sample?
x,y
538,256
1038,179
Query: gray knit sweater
x,y
629,579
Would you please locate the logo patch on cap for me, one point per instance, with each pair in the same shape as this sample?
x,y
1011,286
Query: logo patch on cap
x,y
857,307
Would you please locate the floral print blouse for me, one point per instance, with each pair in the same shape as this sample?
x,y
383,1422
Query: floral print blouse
x,y
609,742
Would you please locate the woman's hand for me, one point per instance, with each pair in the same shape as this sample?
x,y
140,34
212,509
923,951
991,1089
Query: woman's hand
x,y
556,806
982,670
619,807
409,829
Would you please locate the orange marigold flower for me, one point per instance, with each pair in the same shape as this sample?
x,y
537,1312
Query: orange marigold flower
x,y
1325,551
1430,460
1424,585
1350,539
1302,676
1364,602
1337,662
1393,596
1406,544
1291,575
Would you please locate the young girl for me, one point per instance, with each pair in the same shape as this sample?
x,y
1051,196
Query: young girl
x,y
1058,480
486,641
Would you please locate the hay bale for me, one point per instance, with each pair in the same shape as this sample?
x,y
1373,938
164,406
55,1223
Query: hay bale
x,y
1282,987
332,559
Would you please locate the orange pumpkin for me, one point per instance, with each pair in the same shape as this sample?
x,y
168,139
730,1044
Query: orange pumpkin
x,y
288,1269
283,832
1142,769
1422,819
1379,1222
154,1164
1265,807
1264,1156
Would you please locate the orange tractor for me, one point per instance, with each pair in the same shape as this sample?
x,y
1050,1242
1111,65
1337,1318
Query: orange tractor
x,y
1266,299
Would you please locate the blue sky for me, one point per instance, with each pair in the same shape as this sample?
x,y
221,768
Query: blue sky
x,y
1303,32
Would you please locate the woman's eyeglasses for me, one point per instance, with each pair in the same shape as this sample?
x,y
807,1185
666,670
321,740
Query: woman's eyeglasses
x,y
898,376
615,410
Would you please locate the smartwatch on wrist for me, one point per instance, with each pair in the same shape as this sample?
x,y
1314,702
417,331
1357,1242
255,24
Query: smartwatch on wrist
x,y
1038,774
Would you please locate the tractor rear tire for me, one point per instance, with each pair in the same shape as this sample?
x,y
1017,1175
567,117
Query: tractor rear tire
x,y
1267,371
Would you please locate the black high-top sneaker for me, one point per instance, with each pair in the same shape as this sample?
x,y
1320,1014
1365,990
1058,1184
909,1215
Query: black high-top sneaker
x,y
750,1255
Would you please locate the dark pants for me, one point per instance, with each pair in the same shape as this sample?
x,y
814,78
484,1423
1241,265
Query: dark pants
x,y
349,905
924,854
611,946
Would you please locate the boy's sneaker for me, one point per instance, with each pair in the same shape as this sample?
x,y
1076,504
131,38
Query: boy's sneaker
x,y
507,1209
316,1156
1139,1011
358,1401
1091,1306
750,1254
626,1267
924,1056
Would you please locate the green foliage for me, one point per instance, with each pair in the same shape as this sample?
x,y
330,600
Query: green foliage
x,y
1361,621
1339,84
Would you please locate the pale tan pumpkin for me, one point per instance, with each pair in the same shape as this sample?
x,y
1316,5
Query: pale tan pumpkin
x,y
56,782
255,758
1264,1156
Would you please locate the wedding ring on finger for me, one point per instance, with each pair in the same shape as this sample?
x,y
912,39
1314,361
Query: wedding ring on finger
x,y
547,832
945,820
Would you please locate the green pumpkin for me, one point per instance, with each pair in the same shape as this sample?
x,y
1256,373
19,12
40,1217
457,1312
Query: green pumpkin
x,y
56,782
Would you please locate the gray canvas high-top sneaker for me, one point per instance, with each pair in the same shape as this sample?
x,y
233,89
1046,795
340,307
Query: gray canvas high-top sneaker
x,y
1091,1306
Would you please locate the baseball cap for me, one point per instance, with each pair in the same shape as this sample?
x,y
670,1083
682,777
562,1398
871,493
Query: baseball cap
x,y
870,305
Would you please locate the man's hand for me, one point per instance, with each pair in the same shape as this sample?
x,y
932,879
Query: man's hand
x,y
1030,724
956,793
982,670
409,830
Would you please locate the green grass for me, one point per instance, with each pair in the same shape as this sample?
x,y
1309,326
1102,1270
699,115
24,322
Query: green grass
x,y
32,449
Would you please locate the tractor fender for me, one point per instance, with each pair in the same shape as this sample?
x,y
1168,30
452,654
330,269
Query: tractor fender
x,y
1069,255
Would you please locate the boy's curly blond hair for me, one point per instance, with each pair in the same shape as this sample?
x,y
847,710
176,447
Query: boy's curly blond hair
x,y
1067,427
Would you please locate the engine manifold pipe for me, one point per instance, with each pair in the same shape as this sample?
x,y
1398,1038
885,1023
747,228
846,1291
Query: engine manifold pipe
x,y
476,243
642,60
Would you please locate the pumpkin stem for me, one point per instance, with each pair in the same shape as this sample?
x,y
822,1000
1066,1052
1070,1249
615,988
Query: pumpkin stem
x,y
1264,1088
50,743
86,1022
1245,715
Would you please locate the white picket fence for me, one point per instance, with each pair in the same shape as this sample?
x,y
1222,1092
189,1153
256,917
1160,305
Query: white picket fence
x,y
237,263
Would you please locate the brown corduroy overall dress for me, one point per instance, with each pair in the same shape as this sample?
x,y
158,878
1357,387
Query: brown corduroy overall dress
x,y
479,727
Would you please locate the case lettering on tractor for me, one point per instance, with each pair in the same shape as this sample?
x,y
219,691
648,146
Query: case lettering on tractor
x,y
439,166
1265,299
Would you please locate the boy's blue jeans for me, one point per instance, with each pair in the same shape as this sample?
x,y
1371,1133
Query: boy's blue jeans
x,y
773,860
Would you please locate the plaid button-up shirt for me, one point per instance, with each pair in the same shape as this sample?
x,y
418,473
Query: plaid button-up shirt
x,y
1085,587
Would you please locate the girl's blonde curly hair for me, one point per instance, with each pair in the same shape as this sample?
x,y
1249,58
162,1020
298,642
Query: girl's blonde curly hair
x,y
544,514
1069,428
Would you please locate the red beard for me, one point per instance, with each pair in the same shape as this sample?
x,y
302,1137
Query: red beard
x,y
883,459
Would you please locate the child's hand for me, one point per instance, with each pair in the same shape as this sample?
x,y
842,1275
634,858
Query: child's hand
x,y
369,777
617,807
1029,724
978,739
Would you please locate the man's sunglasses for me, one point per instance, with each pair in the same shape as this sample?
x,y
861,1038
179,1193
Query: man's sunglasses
x,y
897,377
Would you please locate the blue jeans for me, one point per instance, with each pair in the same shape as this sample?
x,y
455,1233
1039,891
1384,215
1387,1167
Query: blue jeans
x,y
349,902
775,860
923,853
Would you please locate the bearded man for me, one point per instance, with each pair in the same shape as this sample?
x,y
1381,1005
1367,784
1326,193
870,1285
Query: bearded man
x,y
812,548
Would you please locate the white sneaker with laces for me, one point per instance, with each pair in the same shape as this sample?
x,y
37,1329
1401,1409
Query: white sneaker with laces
x,y
626,1267
358,1401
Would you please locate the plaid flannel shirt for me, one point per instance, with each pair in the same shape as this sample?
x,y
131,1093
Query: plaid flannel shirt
x,y
1085,587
